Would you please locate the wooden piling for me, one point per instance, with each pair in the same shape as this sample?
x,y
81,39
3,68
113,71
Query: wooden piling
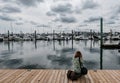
x,y
101,43
72,39
35,35
8,35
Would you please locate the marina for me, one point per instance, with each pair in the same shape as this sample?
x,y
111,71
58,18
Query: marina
x,y
74,35
42,40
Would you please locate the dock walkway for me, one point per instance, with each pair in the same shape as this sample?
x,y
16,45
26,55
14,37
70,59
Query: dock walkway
x,y
56,76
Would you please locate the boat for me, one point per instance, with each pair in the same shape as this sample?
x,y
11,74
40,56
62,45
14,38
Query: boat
x,y
115,37
80,38
1,39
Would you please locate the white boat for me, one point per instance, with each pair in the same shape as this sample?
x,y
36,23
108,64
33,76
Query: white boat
x,y
26,38
115,37
80,38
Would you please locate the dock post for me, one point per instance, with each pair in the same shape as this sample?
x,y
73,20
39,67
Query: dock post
x,y
35,39
101,33
101,43
53,39
72,39
8,35
8,40
35,36
91,35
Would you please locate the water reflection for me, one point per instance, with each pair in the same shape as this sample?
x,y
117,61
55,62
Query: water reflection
x,y
32,66
11,63
56,55
60,60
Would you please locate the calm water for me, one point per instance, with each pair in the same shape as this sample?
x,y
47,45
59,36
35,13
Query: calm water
x,y
56,55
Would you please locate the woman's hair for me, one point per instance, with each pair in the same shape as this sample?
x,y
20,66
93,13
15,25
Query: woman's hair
x,y
78,54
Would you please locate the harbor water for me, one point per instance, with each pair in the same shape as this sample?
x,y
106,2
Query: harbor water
x,y
56,55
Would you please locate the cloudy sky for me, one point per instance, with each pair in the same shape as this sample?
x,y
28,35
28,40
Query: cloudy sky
x,y
58,15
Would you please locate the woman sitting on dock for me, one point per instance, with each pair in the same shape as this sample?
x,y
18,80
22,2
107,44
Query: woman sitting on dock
x,y
78,68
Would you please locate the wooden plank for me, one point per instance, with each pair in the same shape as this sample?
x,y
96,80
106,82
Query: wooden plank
x,y
107,75
63,73
116,75
89,77
7,75
30,76
112,76
3,72
92,73
38,77
99,79
46,72
18,76
58,76
12,77
52,76
102,76
55,76
20,79
65,77
48,75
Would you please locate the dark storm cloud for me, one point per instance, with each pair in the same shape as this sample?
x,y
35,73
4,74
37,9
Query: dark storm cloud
x,y
19,23
42,25
92,19
33,23
89,4
115,13
6,18
29,2
110,22
62,14
69,19
78,10
24,2
50,14
62,8
10,9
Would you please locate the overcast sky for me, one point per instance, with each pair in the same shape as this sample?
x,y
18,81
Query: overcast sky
x,y
58,15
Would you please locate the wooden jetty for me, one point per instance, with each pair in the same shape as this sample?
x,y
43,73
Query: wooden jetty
x,y
111,46
56,76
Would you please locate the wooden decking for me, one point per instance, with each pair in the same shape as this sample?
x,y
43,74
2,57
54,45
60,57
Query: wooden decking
x,y
57,76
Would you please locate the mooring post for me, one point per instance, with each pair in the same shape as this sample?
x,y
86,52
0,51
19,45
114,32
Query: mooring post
x,y
8,35
101,33
35,35
53,39
53,34
72,39
8,40
101,43
91,35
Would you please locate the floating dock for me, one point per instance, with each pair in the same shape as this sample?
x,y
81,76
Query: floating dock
x,y
111,46
56,76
